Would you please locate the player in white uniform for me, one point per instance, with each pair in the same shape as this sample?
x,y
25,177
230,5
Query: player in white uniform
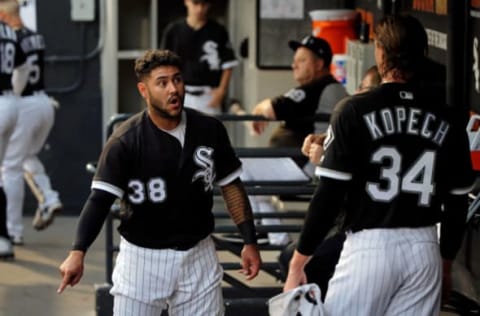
x,y
35,120
11,57
398,159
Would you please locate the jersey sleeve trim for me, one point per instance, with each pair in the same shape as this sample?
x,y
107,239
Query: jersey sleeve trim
x,y
104,186
461,191
232,176
230,64
333,174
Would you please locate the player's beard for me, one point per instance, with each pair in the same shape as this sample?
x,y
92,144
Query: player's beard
x,y
161,108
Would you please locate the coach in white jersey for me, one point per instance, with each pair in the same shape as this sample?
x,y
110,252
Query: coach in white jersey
x,y
11,57
35,120
398,158
163,164
206,51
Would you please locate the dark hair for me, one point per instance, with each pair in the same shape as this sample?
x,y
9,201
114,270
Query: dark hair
x,y
404,42
153,59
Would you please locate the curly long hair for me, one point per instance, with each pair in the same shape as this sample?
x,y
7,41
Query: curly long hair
x,y
405,44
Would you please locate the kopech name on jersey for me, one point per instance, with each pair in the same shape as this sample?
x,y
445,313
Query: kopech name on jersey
x,y
7,33
33,43
406,120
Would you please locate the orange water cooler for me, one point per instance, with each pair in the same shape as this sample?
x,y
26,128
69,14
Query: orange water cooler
x,y
336,27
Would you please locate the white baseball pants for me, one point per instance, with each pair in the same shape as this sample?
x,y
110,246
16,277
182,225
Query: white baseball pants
x,y
200,102
8,119
147,281
387,272
35,120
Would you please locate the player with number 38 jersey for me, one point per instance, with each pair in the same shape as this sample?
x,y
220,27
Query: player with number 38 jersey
x,y
168,200
163,163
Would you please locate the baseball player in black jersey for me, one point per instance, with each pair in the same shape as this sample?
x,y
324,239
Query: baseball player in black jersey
x,y
35,120
399,160
318,91
163,164
207,54
11,58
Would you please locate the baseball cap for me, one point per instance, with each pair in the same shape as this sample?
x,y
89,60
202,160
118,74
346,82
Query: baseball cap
x,y
317,45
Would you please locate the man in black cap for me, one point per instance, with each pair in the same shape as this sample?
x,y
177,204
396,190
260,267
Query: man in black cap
x,y
318,92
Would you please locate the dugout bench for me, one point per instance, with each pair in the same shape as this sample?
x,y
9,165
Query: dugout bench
x,y
240,298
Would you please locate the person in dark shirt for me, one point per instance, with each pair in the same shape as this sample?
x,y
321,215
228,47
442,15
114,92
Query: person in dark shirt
x,y
318,92
163,163
398,160
205,48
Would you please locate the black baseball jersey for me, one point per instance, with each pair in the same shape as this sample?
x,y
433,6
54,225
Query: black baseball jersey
x,y
205,52
403,151
10,57
297,108
33,46
166,190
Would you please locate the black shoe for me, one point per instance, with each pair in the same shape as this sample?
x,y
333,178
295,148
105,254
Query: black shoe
x,y
262,239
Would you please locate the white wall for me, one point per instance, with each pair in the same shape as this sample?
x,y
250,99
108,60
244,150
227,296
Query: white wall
x,y
250,84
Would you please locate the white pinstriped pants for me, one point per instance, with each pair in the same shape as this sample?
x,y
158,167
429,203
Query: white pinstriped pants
x,y
147,281
35,120
387,272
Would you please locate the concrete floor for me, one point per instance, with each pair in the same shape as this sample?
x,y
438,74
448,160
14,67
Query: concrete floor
x,y
28,284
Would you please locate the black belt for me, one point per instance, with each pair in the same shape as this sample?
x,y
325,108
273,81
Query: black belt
x,y
184,247
196,93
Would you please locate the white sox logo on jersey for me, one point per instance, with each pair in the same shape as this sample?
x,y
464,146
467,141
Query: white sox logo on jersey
x,y
203,158
211,55
297,95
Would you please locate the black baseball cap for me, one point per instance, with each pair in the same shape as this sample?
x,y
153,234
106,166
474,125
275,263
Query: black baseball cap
x,y
317,45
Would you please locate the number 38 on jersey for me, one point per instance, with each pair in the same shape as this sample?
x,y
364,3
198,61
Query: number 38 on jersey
x,y
154,190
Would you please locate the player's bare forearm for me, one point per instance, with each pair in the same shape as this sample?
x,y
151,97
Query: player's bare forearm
x,y
219,93
71,269
296,275
265,109
217,98
251,261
